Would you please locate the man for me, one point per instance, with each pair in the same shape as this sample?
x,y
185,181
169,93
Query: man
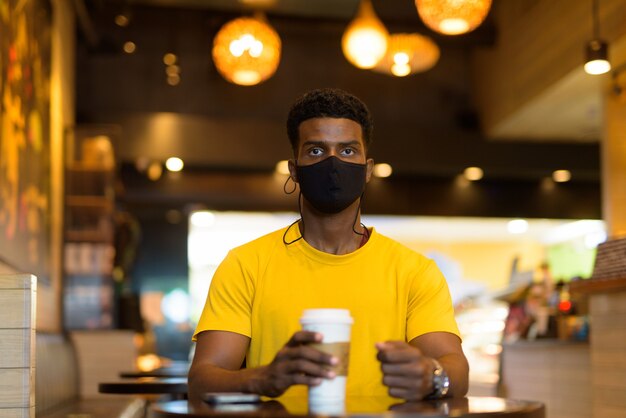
x,y
405,340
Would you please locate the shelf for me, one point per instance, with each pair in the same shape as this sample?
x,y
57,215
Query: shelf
x,y
89,201
97,168
598,285
94,236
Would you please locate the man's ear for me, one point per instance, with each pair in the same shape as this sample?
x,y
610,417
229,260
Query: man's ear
x,y
370,169
292,169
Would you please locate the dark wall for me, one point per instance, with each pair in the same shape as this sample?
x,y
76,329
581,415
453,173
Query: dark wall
x,y
425,125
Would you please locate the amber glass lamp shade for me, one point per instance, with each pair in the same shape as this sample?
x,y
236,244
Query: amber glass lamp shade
x,y
408,53
365,40
453,17
246,51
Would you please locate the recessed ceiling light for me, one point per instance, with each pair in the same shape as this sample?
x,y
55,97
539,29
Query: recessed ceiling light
x,y
382,170
154,171
561,176
282,167
174,164
473,173
169,59
129,47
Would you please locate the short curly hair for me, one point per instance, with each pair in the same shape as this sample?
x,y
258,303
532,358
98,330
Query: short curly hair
x,y
328,103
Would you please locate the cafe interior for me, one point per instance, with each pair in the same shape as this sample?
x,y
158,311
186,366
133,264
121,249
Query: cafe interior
x,y
141,140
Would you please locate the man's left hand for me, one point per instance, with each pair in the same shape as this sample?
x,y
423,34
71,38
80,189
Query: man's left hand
x,y
407,373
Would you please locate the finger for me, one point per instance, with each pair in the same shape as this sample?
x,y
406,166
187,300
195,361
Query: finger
x,y
300,379
312,354
406,394
299,366
402,354
389,345
303,337
414,370
403,382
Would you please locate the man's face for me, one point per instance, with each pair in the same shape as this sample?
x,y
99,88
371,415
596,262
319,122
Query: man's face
x,y
321,138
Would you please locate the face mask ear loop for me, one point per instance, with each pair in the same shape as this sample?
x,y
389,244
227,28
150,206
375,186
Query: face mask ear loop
x,y
358,210
285,186
295,222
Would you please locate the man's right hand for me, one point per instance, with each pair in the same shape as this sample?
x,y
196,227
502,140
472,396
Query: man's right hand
x,y
296,364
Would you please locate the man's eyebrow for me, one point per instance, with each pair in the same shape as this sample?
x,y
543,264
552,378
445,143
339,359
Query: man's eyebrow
x,y
353,142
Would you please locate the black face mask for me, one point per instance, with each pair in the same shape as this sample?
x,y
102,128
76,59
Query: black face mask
x,y
331,185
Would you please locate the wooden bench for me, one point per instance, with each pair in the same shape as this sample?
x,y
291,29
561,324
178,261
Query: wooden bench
x,y
40,374
58,385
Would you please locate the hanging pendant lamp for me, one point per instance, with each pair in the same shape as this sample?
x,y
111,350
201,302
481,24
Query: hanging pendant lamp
x,y
365,40
408,53
246,51
453,17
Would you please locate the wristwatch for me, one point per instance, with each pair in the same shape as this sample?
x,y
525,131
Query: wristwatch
x,y
441,382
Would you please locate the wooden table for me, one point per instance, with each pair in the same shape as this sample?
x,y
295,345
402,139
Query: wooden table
x,y
163,372
472,407
146,386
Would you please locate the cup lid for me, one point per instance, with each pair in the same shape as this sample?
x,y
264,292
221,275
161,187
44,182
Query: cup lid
x,y
326,315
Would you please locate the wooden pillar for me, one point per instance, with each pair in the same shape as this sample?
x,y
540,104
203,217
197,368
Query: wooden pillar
x,y
17,345
614,165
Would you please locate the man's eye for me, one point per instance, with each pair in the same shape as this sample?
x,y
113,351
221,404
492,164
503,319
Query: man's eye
x,y
316,151
348,151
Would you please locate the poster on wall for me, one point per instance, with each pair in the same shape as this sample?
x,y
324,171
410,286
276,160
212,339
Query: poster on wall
x,y
25,61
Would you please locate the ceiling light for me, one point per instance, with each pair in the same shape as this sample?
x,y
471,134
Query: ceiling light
x,y
596,50
246,51
382,170
172,70
122,19
174,164
364,42
173,80
473,173
154,171
453,17
408,53
282,167
169,59
561,176
597,58
517,226
129,47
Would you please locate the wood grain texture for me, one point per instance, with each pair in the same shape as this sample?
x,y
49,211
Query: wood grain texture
x,y
15,387
15,308
608,354
17,412
18,281
16,347
558,375
101,356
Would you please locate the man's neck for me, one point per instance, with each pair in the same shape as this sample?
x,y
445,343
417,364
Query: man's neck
x,y
333,234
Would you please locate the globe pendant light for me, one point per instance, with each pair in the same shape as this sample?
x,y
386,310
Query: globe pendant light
x,y
408,53
453,17
246,51
365,40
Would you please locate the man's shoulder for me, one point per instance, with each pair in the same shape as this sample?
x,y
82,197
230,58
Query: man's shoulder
x,y
264,243
400,250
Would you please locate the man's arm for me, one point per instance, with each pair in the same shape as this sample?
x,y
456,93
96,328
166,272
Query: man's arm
x,y
219,355
407,368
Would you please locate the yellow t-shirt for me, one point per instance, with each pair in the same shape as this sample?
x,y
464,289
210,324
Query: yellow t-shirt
x,y
392,292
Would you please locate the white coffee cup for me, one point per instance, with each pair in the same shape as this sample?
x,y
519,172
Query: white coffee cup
x,y
335,326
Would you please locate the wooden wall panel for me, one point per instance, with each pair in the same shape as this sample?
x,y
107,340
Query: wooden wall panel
x,y
101,356
17,345
555,373
608,354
